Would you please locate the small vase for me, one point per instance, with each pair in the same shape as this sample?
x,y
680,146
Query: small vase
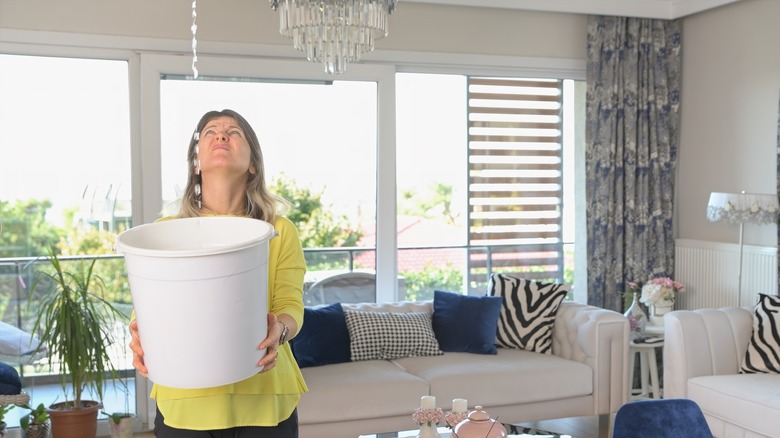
x,y
428,430
38,430
125,427
636,318
657,312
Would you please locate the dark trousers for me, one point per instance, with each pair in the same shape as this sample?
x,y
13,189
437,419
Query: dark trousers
x,y
286,429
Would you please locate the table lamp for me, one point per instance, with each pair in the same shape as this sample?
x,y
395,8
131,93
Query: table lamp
x,y
742,208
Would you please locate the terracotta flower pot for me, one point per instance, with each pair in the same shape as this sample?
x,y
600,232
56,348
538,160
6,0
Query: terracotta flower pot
x,y
74,423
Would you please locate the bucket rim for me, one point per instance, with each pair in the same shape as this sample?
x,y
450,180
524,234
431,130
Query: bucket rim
x,y
123,247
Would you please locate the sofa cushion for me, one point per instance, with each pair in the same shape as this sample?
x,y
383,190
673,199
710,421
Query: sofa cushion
x,y
10,383
751,401
512,376
527,313
16,342
393,307
323,338
763,351
388,335
359,390
464,323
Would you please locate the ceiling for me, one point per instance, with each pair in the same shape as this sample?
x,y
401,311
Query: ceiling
x,y
665,9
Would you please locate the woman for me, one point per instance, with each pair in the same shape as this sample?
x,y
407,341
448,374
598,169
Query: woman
x,y
227,178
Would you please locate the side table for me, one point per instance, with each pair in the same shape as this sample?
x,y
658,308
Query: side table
x,y
648,368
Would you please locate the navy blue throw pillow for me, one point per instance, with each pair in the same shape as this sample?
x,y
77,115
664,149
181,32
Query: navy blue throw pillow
x,y
324,338
464,323
10,383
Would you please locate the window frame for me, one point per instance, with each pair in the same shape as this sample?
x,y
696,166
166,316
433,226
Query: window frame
x,y
148,58
154,65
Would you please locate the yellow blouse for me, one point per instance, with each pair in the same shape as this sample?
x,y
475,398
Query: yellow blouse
x,y
264,399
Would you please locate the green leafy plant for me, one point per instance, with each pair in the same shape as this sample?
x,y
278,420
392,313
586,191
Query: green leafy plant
x,y
74,321
4,410
319,226
36,416
117,417
421,284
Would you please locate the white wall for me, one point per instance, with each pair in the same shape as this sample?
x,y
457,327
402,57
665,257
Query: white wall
x,y
413,27
730,93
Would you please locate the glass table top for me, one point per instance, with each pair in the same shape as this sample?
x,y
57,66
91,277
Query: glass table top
x,y
445,432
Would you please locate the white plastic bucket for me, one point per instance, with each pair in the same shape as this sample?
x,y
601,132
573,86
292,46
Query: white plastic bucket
x,y
200,292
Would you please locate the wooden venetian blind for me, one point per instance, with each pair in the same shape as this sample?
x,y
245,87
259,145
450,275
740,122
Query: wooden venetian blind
x,y
515,176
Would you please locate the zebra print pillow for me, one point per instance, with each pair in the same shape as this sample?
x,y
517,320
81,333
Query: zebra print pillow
x,y
763,352
527,313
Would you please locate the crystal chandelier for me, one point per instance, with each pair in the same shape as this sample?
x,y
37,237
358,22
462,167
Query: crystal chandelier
x,y
334,32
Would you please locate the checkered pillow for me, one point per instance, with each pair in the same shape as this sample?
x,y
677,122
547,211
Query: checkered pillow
x,y
389,335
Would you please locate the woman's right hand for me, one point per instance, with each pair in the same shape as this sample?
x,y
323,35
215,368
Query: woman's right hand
x,y
138,352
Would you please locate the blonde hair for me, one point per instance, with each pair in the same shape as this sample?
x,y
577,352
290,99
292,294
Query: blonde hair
x,y
260,202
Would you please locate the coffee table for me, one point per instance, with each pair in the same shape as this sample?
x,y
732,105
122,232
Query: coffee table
x,y
445,432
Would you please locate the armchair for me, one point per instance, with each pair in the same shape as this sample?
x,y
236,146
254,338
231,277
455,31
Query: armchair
x,y
703,351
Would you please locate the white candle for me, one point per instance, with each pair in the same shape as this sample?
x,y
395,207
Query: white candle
x,y
428,402
459,405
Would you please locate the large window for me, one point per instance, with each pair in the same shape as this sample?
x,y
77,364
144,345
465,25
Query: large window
x,y
66,148
64,182
394,168
319,147
432,150
482,181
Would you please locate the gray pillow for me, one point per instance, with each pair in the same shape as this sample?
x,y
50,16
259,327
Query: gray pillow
x,y
390,335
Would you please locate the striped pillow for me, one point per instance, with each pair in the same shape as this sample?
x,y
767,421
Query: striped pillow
x,y
763,352
527,313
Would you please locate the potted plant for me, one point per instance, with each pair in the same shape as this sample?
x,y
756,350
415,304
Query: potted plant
x,y
121,424
36,423
74,322
4,408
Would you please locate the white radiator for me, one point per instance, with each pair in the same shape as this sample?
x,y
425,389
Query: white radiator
x,y
710,271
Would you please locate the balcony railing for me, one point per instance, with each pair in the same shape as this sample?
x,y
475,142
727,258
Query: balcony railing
x,y
462,269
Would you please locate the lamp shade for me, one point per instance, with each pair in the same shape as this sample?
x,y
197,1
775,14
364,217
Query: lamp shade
x,y
746,208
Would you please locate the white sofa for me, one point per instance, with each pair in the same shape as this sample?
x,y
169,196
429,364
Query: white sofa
x,y
586,375
703,352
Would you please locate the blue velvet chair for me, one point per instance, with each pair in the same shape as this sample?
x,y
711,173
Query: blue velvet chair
x,y
660,418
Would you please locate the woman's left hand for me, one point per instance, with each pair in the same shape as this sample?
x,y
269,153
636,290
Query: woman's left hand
x,y
271,343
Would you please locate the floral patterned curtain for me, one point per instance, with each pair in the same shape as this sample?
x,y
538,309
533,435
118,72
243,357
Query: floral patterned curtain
x,y
632,110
